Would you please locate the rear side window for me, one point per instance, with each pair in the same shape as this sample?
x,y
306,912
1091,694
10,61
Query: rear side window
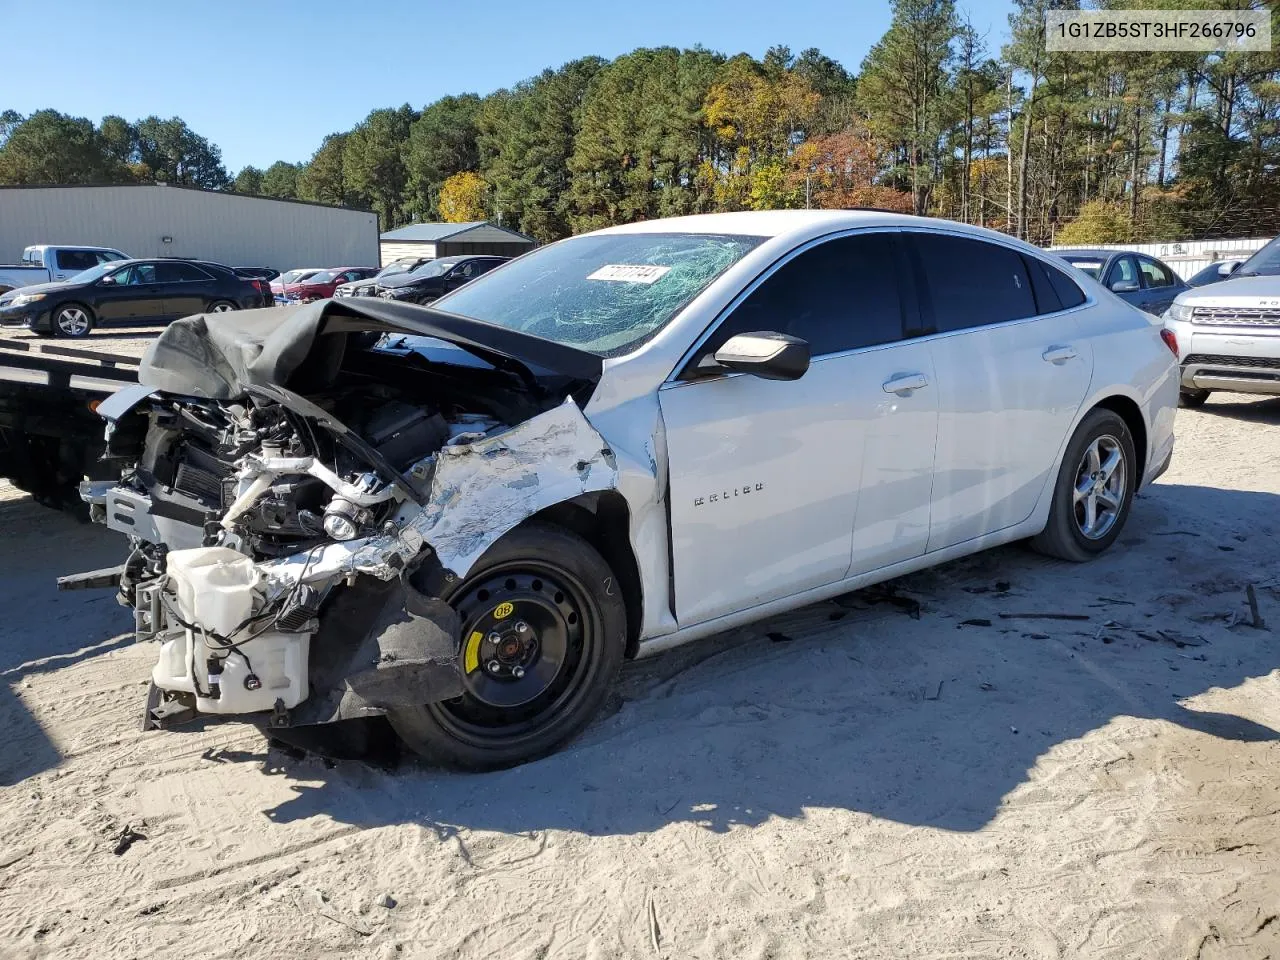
x,y
1069,292
179,273
1154,274
77,259
839,295
973,283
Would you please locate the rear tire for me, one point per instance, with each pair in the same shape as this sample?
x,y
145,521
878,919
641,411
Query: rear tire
x,y
1192,398
221,306
543,633
1094,490
73,320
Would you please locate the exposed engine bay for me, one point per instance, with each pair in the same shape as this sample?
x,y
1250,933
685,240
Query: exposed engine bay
x,y
298,504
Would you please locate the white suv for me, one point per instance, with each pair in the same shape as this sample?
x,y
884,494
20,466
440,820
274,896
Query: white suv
x,y
1227,334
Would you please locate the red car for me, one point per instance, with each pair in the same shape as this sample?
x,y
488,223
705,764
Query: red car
x,y
320,286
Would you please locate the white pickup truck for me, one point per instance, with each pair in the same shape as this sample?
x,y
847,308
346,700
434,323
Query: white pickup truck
x,y
1227,334
49,263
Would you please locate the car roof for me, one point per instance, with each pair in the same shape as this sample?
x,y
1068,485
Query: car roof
x,y
1088,252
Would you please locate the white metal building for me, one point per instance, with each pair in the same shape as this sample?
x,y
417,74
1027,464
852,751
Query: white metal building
x,y
453,240
147,220
1185,257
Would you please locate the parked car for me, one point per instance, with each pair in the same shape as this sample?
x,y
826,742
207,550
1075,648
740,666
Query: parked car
x,y
130,291
435,278
46,263
279,284
320,286
610,446
369,287
257,273
1227,335
1147,283
1214,273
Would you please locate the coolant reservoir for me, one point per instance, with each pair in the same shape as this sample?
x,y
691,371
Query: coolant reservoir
x,y
216,589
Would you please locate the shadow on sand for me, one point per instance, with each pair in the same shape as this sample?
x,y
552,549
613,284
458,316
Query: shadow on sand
x,y
919,721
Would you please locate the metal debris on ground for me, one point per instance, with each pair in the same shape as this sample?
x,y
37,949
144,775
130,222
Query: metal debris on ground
x,y
1257,622
128,837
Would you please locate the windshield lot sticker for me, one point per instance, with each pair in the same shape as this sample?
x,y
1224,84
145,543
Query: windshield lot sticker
x,y
629,273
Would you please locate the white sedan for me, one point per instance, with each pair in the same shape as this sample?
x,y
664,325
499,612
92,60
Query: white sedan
x,y
624,441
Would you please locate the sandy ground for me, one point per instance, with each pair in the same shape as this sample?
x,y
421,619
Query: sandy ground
x,y
843,781
127,341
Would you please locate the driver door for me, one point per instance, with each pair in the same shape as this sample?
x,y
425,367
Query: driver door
x,y
134,294
777,487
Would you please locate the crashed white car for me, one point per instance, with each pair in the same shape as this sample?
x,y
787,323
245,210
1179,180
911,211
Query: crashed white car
x,y
465,517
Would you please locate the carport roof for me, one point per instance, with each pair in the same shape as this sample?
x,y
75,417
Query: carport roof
x,y
434,232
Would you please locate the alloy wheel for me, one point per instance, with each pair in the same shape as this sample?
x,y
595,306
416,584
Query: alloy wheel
x,y
222,307
1100,487
73,321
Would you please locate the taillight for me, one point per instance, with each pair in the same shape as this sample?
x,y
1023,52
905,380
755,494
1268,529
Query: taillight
x,y
1170,340
262,288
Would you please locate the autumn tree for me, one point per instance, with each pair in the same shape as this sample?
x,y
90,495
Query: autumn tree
x,y
462,198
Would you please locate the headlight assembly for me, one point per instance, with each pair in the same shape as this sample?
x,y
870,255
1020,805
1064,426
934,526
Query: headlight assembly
x,y
1180,311
22,299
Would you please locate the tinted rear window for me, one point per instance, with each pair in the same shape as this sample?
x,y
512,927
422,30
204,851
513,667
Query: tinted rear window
x,y
973,283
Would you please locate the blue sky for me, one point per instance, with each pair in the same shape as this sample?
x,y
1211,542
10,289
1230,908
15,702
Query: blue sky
x,y
267,80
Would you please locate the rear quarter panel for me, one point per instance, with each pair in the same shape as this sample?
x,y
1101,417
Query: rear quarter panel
x,y
1131,360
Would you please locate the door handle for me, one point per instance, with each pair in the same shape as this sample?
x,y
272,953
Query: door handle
x,y
1059,355
904,383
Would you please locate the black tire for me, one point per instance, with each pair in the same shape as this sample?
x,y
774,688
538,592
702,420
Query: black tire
x,y
1065,534
1192,398
559,589
222,306
73,320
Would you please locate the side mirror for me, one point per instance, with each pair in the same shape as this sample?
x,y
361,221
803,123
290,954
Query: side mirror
x,y
108,281
1124,286
1228,268
771,356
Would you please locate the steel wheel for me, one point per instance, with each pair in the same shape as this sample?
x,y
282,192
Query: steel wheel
x,y
543,635
1100,487
527,629
73,321
221,306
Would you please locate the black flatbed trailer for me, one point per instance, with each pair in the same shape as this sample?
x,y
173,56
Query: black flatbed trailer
x,y
51,437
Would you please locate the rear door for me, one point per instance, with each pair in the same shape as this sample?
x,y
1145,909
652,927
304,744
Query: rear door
x,y
781,486
1011,372
187,289
1159,285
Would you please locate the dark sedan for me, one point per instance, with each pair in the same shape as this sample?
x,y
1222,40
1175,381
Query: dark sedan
x,y
1136,278
435,278
130,291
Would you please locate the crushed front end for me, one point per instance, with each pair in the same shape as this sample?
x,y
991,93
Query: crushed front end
x,y
289,552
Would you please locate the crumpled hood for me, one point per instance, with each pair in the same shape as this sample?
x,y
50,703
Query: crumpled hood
x,y
220,356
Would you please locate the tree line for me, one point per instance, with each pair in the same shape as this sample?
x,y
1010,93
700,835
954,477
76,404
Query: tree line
x,y
1051,147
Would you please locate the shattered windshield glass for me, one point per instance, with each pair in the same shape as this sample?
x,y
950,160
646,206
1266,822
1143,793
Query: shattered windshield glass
x,y
606,293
